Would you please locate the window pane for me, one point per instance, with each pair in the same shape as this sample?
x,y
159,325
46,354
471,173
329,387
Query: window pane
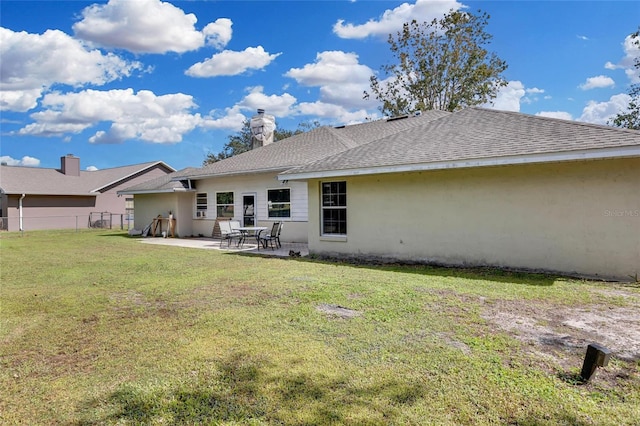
x,y
224,211
279,210
224,198
279,195
334,221
201,201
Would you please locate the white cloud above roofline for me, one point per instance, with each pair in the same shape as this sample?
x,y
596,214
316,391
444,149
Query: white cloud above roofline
x,y
391,20
148,26
229,63
597,82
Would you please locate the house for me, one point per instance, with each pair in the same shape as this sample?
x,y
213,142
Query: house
x,y
246,186
473,187
44,198
483,187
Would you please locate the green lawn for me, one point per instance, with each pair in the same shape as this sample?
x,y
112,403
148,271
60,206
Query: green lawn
x,y
97,328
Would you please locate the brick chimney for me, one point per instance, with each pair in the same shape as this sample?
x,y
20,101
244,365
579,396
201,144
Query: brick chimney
x,y
70,165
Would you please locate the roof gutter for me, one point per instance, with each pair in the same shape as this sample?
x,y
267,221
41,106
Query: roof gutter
x,y
155,191
555,157
230,174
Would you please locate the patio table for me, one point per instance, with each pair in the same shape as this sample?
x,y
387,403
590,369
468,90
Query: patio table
x,y
246,230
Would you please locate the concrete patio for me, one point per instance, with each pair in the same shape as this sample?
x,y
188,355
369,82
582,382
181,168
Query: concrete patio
x,y
249,247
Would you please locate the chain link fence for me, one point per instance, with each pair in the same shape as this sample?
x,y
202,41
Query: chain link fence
x,y
98,220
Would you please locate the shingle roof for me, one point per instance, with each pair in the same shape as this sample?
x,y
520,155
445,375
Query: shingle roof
x,y
165,183
41,181
473,134
310,146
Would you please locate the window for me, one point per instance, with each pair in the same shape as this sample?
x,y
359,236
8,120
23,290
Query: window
x,y
128,208
224,204
334,208
279,202
201,204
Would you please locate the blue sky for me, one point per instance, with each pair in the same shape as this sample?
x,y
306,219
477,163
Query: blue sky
x,y
130,81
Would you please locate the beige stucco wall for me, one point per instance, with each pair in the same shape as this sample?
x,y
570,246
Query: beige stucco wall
x,y
149,206
578,217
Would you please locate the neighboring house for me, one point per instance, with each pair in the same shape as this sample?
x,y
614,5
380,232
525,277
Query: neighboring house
x,y
40,198
246,186
483,187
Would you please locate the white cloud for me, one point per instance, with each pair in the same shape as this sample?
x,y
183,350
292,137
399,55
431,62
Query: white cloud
x,y
627,63
341,78
230,119
91,168
277,105
563,115
333,112
582,37
391,20
230,62
31,63
218,33
142,115
602,112
534,90
25,161
509,97
331,67
148,26
597,82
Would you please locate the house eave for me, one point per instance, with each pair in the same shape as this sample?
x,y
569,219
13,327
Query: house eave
x,y
232,174
554,157
154,191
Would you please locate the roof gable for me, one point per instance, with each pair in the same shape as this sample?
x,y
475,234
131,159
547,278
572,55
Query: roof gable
x,y
41,181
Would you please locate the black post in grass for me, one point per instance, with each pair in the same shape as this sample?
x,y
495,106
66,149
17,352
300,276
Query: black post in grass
x,y
596,356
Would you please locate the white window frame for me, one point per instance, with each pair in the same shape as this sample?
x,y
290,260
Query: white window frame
x,y
270,203
232,204
325,208
202,205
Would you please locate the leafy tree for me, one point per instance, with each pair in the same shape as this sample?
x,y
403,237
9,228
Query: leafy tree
x,y
631,118
241,142
442,65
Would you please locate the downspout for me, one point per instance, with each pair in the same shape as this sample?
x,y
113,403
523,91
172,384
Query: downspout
x,y
20,210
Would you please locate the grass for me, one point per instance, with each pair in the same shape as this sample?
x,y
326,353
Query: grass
x,y
97,328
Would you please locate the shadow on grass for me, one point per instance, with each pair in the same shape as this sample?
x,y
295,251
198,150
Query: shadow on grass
x,y
504,275
243,390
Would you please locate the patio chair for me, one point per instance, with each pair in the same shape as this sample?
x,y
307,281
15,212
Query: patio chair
x,y
235,228
226,233
272,239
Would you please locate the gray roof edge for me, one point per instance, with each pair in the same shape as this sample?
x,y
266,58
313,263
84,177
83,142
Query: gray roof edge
x,y
154,191
233,173
147,167
549,157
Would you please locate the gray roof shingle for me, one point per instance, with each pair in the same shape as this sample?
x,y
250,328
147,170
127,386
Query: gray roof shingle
x,y
166,183
45,181
307,147
472,134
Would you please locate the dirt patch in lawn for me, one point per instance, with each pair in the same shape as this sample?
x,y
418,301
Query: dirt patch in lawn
x,y
563,333
338,311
